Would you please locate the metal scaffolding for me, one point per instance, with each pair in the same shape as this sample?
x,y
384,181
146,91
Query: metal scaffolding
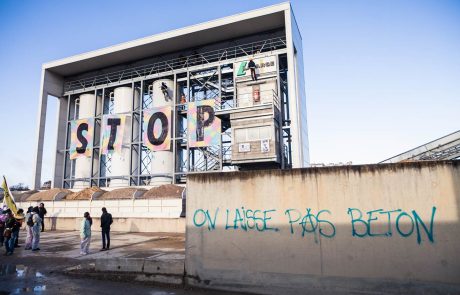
x,y
201,76
444,148
190,61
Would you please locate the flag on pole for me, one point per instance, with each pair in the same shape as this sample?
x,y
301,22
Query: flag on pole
x,y
8,199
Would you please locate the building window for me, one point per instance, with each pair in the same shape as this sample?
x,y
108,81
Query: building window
x,y
253,134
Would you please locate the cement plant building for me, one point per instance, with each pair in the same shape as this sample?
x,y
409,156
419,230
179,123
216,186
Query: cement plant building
x,y
223,95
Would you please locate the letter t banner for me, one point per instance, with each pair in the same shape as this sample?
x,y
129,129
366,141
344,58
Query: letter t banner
x,y
204,128
81,138
112,133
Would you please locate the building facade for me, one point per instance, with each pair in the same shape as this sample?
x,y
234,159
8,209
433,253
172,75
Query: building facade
x,y
223,95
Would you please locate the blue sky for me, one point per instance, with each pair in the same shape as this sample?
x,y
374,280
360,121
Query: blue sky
x,y
381,76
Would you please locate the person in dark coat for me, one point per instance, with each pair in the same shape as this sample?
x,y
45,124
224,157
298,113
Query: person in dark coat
x,y
165,90
20,219
42,212
106,221
12,226
252,68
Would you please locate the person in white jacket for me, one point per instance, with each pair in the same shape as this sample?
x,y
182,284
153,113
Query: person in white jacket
x,y
85,234
36,229
29,225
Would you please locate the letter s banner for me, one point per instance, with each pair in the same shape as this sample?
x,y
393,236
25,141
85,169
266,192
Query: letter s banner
x,y
81,138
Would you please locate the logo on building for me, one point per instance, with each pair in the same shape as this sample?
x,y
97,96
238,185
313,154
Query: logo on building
x,y
264,65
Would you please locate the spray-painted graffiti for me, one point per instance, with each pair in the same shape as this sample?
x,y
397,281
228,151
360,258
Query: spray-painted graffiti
x,y
412,221
311,223
319,224
240,218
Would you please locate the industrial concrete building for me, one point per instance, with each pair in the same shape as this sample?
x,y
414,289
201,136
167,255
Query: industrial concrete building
x,y
152,110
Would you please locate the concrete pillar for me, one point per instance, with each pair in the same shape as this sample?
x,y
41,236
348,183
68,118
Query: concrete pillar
x,y
294,106
51,84
61,139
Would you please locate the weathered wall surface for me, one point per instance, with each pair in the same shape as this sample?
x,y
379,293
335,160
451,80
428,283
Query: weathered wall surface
x,y
338,228
136,225
162,215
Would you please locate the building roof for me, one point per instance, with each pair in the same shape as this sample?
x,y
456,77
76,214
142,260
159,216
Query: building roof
x,y
243,24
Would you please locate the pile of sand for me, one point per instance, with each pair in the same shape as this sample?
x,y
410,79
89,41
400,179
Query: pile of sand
x,y
23,196
47,195
167,191
83,194
118,194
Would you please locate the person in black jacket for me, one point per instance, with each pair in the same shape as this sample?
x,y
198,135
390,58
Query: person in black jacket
x,y
106,221
42,212
252,68
164,89
11,227
20,219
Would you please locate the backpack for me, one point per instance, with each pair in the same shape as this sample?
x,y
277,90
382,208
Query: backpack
x,y
30,221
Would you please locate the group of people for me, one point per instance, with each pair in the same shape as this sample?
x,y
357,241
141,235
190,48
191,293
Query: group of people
x,y
10,225
33,220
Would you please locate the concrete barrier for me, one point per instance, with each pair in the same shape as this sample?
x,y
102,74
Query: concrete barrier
x,y
353,228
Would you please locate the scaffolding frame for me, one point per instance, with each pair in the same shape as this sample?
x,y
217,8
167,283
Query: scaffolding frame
x,y
147,71
204,76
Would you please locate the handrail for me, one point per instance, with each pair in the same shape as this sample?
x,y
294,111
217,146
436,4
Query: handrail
x,y
177,63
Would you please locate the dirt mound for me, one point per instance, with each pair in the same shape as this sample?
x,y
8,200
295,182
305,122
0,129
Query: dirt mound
x,y
167,191
84,194
118,194
47,195
23,196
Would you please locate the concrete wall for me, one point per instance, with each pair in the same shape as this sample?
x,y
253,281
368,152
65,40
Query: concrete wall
x,y
142,225
129,215
345,228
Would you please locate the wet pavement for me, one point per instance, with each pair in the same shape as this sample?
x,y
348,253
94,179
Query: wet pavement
x,y
24,279
66,244
43,272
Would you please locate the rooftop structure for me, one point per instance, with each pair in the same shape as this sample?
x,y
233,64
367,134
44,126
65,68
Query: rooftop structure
x,y
444,148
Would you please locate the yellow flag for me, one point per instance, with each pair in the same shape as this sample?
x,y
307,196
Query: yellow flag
x,y
8,199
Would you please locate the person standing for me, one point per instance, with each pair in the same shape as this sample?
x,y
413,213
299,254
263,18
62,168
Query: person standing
x,y
252,68
164,89
19,219
3,218
29,225
36,228
8,233
42,212
85,234
106,221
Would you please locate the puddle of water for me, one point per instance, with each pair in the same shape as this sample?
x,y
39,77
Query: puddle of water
x,y
21,290
7,269
20,270
37,289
